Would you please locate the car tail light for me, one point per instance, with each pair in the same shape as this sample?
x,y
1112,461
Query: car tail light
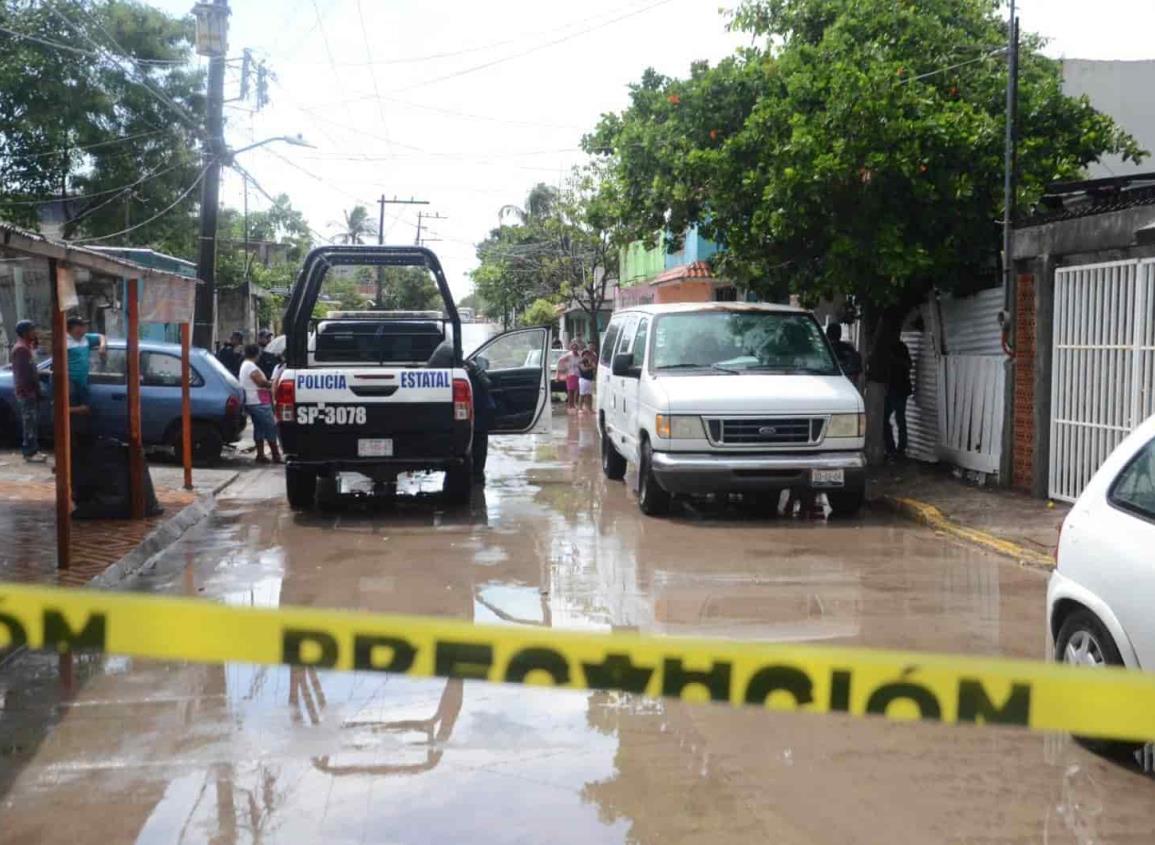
x,y
285,400
462,399
232,406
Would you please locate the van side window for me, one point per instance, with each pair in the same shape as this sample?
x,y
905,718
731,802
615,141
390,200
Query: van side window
x,y
629,326
640,341
611,337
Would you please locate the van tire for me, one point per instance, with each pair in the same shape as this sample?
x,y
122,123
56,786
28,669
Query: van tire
x,y
613,464
652,499
300,488
845,503
458,483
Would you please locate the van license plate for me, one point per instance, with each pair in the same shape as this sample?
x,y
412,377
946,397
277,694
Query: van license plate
x,y
376,447
827,477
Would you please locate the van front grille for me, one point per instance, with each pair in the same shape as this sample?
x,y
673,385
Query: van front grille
x,y
766,431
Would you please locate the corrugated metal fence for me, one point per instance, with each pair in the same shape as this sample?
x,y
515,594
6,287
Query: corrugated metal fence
x,y
1103,369
972,377
957,410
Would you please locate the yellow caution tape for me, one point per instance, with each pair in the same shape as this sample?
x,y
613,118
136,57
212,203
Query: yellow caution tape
x,y
1107,703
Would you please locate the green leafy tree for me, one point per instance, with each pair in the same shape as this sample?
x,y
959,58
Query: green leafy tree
x,y
103,111
563,248
279,232
409,289
541,312
857,150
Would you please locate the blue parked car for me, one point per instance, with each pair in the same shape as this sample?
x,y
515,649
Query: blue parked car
x,y
217,399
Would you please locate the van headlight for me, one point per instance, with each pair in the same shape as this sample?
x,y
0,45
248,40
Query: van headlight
x,y
846,425
678,427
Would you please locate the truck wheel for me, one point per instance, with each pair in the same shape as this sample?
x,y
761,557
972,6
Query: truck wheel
x,y
846,502
652,499
613,464
457,484
300,488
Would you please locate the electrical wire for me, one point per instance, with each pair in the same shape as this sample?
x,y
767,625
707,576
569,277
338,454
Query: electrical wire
x,y
67,150
154,173
152,219
534,49
93,195
449,54
949,68
113,58
269,197
372,70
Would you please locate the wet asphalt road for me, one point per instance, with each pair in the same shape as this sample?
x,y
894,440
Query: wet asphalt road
x,y
133,751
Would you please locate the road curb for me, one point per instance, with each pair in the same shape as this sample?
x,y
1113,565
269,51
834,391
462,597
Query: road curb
x,y
934,518
160,538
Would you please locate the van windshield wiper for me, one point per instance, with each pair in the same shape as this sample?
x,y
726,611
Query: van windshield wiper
x,y
688,366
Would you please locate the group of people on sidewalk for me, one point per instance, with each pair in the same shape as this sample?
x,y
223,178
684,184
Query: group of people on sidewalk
x,y
29,388
253,366
578,367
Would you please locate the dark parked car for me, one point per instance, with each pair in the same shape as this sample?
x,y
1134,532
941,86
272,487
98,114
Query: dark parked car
x,y
217,399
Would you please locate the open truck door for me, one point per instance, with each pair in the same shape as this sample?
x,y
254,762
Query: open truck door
x,y
517,366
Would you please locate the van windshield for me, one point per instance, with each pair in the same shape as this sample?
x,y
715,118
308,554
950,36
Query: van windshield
x,y
737,342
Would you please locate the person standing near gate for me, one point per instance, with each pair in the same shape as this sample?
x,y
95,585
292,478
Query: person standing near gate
x,y
898,390
27,383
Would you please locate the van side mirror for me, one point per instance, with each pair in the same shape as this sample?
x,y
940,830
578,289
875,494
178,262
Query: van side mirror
x,y
623,365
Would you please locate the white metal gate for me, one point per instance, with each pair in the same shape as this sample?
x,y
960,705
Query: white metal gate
x,y
1103,367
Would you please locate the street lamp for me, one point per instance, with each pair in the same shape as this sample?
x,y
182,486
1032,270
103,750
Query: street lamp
x,y
296,140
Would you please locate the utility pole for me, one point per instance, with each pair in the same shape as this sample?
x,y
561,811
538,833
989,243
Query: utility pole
x,y
425,216
205,317
382,202
1010,155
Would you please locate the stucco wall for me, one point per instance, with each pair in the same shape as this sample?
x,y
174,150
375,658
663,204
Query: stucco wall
x,y
1124,91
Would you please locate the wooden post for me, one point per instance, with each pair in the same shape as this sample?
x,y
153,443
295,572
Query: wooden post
x,y
135,440
61,425
186,404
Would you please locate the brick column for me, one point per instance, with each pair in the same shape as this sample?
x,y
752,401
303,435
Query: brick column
x,y
1022,475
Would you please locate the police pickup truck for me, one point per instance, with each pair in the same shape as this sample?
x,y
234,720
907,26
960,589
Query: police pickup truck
x,y
383,393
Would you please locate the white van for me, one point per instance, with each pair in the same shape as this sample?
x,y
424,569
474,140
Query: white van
x,y
728,398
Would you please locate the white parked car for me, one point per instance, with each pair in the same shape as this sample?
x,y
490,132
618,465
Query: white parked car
x,y
1101,596
728,397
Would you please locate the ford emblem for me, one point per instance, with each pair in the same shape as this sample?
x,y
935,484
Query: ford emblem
x,y
768,430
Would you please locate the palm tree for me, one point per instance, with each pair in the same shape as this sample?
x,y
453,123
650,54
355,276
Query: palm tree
x,y
538,205
356,225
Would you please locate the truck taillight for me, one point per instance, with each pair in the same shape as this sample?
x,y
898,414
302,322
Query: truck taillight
x,y
462,399
285,400
232,406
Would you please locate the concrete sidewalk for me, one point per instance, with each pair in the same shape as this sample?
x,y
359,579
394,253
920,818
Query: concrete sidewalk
x,y
1002,521
104,551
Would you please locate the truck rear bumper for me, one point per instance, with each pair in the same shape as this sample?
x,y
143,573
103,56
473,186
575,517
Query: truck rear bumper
x,y
379,469
700,473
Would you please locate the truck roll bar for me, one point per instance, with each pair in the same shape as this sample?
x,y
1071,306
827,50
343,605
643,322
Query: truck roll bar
x,y
307,288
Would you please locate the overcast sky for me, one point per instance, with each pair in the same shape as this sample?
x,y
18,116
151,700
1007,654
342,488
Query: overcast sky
x,y
468,104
